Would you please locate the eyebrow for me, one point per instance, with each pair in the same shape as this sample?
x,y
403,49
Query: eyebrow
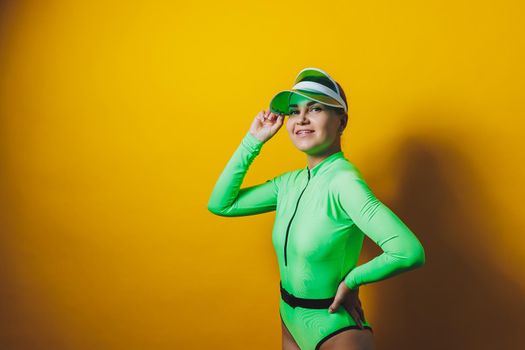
x,y
307,105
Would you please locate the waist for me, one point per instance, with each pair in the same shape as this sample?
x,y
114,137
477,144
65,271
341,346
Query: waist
x,y
294,301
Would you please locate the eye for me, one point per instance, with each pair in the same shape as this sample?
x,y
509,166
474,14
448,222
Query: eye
x,y
316,107
292,112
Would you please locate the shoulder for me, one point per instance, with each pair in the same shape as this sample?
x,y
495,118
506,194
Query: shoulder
x,y
345,172
282,178
347,179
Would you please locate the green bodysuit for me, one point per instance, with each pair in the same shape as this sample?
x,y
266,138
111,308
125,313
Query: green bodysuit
x,y
322,215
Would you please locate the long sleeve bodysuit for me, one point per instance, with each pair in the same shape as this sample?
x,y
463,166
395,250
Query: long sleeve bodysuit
x,y
322,215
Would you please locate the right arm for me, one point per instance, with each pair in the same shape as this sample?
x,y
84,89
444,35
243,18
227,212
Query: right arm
x,y
228,199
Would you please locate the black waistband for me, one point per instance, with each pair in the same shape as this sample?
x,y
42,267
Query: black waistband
x,y
302,302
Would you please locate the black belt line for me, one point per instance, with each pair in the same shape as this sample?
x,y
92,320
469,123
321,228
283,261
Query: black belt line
x,y
294,301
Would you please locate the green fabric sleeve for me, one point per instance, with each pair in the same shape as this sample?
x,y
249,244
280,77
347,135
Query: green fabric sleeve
x,y
228,199
402,251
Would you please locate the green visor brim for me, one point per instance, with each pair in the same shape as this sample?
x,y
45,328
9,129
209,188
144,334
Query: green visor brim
x,y
280,102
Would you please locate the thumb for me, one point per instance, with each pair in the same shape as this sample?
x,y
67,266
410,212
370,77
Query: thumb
x,y
335,305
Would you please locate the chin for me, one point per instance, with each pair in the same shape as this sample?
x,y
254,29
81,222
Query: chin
x,y
306,146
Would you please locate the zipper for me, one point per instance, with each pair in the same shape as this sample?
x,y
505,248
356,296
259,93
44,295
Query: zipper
x,y
290,222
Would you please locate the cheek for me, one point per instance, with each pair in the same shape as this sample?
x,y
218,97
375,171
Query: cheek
x,y
327,130
324,128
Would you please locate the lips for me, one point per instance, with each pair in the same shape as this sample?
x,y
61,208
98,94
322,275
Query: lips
x,y
304,131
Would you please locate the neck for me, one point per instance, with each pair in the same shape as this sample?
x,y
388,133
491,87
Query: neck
x,y
314,159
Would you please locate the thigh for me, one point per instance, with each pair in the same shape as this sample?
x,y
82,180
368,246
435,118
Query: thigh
x,y
288,341
350,339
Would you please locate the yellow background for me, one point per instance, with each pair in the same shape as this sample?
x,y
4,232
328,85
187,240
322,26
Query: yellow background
x,y
117,117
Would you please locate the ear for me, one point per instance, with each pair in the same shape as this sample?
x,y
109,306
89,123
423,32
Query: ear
x,y
343,121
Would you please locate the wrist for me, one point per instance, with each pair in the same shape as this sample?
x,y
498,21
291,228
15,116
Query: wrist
x,y
255,138
251,143
351,285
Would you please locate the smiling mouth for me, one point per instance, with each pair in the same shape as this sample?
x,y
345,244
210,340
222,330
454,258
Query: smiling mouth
x,y
304,132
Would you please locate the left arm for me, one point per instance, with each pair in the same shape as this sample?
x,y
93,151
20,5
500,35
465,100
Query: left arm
x,y
402,251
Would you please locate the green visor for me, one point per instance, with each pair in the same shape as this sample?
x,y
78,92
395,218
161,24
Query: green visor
x,y
280,103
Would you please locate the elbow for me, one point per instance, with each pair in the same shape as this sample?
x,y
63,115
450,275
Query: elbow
x,y
217,210
416,258
214,209
412,257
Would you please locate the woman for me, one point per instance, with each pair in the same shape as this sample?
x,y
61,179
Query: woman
x,y
323,212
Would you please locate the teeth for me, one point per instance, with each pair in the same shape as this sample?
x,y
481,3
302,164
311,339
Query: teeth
x,y
304,131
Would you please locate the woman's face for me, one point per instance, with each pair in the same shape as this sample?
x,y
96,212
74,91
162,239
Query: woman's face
x,y
322,123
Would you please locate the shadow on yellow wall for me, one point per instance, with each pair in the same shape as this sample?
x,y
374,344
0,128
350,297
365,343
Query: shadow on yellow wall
x,y
460,299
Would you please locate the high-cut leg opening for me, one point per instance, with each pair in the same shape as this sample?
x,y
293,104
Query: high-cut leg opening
x,y
288,329
320,342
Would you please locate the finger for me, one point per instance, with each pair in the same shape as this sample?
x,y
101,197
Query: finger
x,y
357,319
361,313
335,305
278,122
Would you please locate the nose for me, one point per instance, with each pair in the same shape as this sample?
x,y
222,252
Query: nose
x,y
302,117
